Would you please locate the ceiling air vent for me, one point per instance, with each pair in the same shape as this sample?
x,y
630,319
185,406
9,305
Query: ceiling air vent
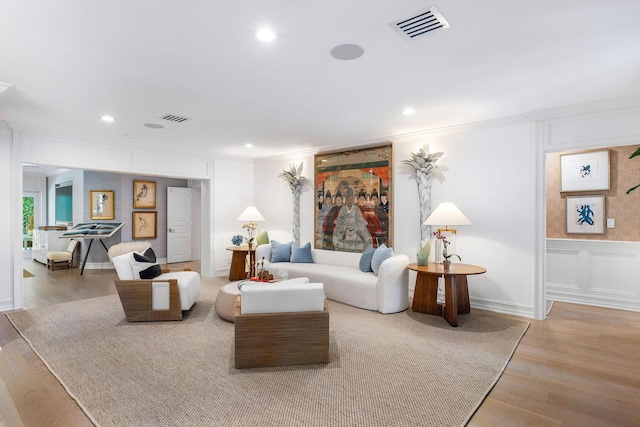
x,y
420,24
174,118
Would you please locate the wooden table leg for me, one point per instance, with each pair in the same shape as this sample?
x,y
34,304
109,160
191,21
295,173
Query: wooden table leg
x,y
237,269
463,295
425,295
451,300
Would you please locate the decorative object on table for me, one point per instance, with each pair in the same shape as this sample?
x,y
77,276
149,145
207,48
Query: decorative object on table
x,y
144,194
586,171
294,178
354,192
144,225
263,275
445,214
236,240
423,254
446,262
585,215
251,216
634,154
101,204
424,164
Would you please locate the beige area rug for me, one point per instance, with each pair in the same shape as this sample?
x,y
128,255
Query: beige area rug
x,y
26,273
385,370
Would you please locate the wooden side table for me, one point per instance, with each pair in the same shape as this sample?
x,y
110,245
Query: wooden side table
x,y
238,270
455,288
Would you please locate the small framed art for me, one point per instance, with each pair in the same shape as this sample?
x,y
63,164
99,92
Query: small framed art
x,y
585,215
101,204
587,171
145,225
144,194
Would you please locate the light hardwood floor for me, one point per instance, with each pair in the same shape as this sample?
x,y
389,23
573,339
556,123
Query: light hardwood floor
x,y
580,367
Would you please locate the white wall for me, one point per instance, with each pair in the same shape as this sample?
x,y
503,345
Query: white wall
x,y
233,191
6,243
487,171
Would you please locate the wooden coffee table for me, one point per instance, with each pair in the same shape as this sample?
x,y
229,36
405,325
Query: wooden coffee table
x,y
455,288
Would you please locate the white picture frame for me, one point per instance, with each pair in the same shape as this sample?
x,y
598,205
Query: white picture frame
x,y
586,171
585,215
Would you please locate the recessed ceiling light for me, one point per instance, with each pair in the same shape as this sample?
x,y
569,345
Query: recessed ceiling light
x,y
107,119
408,111
248,145
266,35
347,52
153,126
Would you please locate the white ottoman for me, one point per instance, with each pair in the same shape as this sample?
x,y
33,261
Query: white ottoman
x,y
226,301
225,304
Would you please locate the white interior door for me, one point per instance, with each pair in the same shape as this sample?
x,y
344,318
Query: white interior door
x,y
178,224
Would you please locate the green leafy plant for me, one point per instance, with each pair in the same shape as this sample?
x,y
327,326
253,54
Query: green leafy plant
x,y
635,154
27,213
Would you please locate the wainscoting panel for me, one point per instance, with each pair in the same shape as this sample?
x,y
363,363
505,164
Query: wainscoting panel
x,y
593,272
604,267
562,268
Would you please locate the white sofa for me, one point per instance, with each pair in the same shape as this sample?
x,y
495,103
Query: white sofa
x,y
344,282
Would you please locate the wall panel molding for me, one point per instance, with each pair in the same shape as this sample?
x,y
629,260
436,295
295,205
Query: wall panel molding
x,y
594,272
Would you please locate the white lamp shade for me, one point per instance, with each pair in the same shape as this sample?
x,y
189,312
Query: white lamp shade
x,y
447,214
251,214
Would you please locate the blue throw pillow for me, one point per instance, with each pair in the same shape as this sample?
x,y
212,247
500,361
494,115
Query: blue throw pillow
x,y
280,252
382,253
365,259
301,254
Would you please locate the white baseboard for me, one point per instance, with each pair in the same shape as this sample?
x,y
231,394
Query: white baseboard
x,y
593,301
502,307
6,305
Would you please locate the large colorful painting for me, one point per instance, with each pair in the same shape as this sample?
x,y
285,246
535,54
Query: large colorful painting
x,y
354,207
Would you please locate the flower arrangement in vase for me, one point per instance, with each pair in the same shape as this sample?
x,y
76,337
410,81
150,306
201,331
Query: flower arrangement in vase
x,y
446,262
251,228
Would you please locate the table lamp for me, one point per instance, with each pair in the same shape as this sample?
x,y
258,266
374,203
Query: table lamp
x,y
251,216
447,214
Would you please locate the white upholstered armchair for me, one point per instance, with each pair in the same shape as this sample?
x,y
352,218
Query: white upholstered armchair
x,y
163,297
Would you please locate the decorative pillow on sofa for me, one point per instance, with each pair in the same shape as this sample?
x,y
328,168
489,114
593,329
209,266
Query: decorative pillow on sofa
x,y
365,259
380,254
144,265
280,252
301,254
262,238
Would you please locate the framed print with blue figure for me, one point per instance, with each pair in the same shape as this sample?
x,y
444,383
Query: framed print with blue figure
x,y
585,215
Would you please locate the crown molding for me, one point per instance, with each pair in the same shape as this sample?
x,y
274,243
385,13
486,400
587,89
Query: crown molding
x,y
619,103
99,141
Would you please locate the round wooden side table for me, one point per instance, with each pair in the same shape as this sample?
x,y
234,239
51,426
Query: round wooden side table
x,y
238,269
455,289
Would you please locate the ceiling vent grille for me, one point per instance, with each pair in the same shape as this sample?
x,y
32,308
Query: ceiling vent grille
x,y
421,24
174,118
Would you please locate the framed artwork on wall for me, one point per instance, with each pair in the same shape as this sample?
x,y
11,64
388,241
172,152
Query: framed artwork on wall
x,y
587,171
585,215
354,198
144,225
101,204
144,194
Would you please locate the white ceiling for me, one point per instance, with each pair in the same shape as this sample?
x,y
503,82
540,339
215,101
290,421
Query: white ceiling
x,y
71,61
